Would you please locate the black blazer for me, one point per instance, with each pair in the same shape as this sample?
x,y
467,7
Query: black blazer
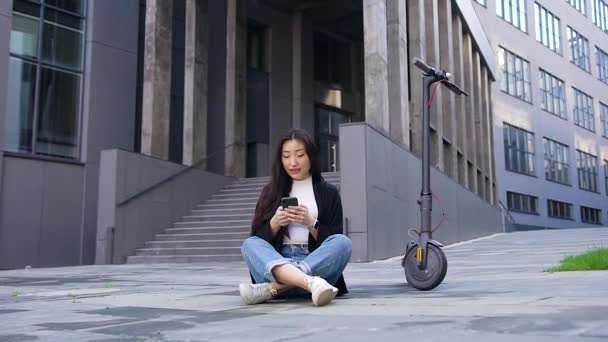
x,y
330,220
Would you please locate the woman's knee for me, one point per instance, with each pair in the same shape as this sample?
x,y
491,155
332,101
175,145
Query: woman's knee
x,y
250,244
343,243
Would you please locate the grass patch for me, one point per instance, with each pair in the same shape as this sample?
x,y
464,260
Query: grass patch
x,y
593,260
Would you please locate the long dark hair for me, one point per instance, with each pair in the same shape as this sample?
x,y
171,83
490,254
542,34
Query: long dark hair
x,y
280,182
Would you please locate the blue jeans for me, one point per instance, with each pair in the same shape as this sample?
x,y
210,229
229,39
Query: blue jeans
x,y
327,261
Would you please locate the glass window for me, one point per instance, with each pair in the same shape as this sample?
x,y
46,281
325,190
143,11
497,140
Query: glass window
x,y
599,14
556,161
522,203
20,105
583,110
519,150
24,36
58,113
602,64
586,165
516,75
74,6
604,119
579,49
553,97
579,5
591,215
513,12
606,175
43,115
558,209
332,61
547,28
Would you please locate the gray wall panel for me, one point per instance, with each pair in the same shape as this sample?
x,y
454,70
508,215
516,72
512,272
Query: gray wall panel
x,y
6,7
41,217
354,199
22,204
5,24
110,94
393,178
60,222
115,23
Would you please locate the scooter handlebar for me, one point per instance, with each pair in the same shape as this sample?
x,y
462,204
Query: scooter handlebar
x,y
423,66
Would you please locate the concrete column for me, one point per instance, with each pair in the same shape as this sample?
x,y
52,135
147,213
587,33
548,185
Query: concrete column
x,y
460,78
488,136
156,98
396,27
296,71
493,179
478,112
446,38
417,49
375,51
236,30
433,58
195,81
469,111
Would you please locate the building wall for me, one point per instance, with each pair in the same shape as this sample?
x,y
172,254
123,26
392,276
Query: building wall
x,y
110,93
380,186
5,32
543,124
41,213
48,211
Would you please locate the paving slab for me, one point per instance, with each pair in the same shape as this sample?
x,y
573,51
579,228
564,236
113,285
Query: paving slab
x,y
495,290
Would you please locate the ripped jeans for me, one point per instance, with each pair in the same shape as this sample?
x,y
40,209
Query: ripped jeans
x,y
328,261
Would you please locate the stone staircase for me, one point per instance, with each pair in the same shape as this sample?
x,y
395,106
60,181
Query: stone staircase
x,y
213,230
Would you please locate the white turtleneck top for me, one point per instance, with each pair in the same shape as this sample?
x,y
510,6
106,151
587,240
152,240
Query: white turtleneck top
x,y
304,192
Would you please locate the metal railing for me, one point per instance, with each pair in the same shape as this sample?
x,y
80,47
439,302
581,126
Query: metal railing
x,y
506,214
177,174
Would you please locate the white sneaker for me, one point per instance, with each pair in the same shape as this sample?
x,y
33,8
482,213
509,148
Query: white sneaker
x,y
322,292
256,293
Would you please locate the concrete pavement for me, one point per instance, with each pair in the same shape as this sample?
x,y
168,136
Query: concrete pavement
x,y
495,290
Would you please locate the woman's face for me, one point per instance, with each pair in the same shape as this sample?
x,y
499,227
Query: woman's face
x,y
295,159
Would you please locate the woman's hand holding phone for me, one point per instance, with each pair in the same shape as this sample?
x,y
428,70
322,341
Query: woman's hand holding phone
x,y
300,214
279,219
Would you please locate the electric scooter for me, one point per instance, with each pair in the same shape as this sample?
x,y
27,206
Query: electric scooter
x,y
424,262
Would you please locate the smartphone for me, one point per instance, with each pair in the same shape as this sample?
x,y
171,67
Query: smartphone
x,y
289,202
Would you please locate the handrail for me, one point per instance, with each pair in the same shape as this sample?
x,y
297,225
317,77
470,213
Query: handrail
x,y
177,174
508,213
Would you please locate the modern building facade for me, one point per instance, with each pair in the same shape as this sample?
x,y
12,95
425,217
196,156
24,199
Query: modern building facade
x,y
551,109
186,80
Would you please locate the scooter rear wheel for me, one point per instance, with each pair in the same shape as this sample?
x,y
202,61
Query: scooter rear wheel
x,y
432,276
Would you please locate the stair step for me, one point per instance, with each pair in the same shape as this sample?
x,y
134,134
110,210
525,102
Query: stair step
x,y
181,259
189,251
221,206
236,195
259,187
218,218
211,224
214,230
244,200
225,211
192,234
195,243
241,189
